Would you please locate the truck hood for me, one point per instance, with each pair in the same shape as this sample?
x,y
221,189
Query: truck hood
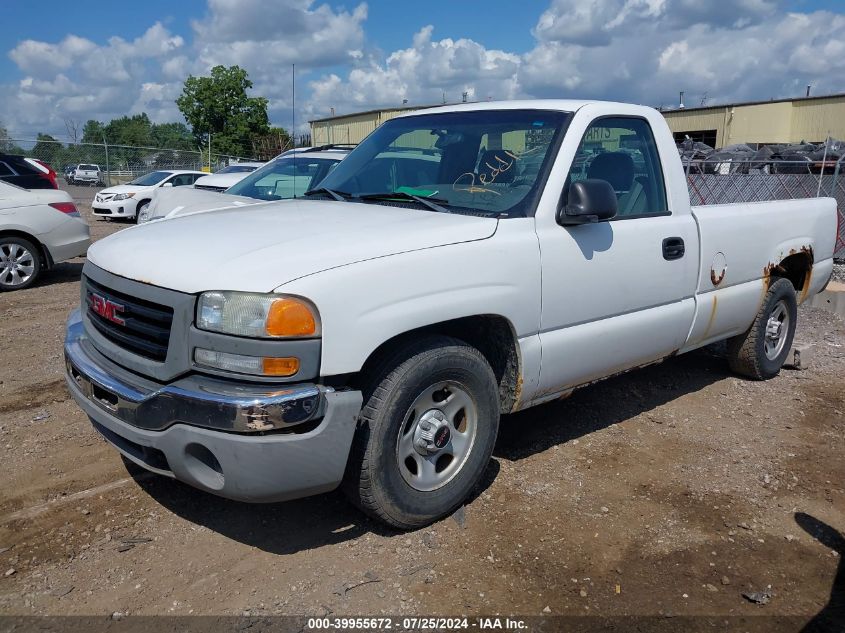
x,y
262,247
221,180
169,202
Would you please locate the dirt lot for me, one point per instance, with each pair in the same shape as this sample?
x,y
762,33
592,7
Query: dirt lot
x,y
667,491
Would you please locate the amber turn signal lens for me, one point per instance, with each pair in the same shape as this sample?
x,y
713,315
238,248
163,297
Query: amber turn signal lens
x,y
280,366
290,317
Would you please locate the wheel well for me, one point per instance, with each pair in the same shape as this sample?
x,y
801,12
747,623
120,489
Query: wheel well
x,y
46,259
490,334
796,268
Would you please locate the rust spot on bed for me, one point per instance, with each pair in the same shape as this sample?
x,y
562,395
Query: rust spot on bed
x,y
808,278
712,318
517,392
716,278
805,291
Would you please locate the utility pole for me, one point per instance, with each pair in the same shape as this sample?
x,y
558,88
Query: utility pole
x,y
108,171
293,121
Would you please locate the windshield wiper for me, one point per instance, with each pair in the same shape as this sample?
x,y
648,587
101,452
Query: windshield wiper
x,y
340,196
431,203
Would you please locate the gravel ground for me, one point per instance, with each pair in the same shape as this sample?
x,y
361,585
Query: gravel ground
x,y
839,273
671,490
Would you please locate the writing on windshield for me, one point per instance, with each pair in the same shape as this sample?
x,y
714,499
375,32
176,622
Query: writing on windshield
x,y
482,161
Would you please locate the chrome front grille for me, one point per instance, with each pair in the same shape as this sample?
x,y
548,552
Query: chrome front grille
x,y
139,326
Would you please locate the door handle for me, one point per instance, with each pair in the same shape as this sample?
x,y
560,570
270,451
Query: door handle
x,y
673,248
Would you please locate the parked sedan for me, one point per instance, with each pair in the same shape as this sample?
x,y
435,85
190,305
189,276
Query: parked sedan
x,y
226,177
38,228
127,201
29,173
286,176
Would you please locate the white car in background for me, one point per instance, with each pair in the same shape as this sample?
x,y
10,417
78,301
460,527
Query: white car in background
x,y
126,201
226,177
38,228
286,176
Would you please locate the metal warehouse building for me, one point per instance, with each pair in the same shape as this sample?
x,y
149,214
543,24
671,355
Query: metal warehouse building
x,y
810,119
352,128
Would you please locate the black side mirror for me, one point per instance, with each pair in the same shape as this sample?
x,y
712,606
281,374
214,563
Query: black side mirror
x,y
590,200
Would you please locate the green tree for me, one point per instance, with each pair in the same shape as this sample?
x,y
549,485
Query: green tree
x,y
7,145
46,148
135,130
92,132
219,105
173,136
271,144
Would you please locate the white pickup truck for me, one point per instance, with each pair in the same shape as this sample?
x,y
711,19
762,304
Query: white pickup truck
x,y
462,262
86,173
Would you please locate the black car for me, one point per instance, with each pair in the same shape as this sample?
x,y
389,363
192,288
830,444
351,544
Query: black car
x,y
26,173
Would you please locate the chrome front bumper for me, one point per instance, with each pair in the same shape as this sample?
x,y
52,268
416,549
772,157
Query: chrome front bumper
x,y
196,400
203,430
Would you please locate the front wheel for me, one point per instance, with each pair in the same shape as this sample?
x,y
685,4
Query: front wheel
x,y
761,351
141,209
425,434
20,263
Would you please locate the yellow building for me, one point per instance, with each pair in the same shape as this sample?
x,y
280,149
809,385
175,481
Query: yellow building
x,y
810,119
351,128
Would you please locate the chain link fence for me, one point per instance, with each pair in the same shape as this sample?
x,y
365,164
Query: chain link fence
x,y
725,182
710,181
119,163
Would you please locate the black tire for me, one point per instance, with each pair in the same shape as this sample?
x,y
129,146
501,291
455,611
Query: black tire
x,y
7,245
747,351
373,480
141,206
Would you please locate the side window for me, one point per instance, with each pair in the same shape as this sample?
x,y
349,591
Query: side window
x,y
622,151
181,180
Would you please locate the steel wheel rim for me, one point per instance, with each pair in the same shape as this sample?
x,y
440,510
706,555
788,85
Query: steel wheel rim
x,y
17,264
777,329
425,470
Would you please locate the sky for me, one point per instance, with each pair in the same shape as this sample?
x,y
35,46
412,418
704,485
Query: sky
x,y
99,60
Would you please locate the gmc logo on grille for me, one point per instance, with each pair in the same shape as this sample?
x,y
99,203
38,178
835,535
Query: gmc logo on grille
x,y
105,308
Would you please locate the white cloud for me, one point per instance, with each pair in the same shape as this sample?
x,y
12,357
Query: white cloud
x,y
422,74
77,78
644,51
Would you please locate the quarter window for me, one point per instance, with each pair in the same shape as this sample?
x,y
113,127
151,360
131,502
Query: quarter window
x,y
622,151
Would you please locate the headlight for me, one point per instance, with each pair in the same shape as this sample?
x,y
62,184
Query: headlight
x,y
256,365
257,315
123,196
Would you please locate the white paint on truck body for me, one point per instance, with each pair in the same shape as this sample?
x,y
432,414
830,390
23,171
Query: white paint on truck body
x,y
584,301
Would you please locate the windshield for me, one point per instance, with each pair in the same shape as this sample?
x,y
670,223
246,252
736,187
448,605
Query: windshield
x,y
236,169
152,178
483,161
284,177
88,167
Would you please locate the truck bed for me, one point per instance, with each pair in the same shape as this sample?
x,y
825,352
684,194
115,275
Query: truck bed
x,y
750,239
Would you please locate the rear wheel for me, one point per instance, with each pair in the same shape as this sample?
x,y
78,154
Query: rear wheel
x,y
20,263
425,434
761,351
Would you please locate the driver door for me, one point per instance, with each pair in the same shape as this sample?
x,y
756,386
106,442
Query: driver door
x,y
613,297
